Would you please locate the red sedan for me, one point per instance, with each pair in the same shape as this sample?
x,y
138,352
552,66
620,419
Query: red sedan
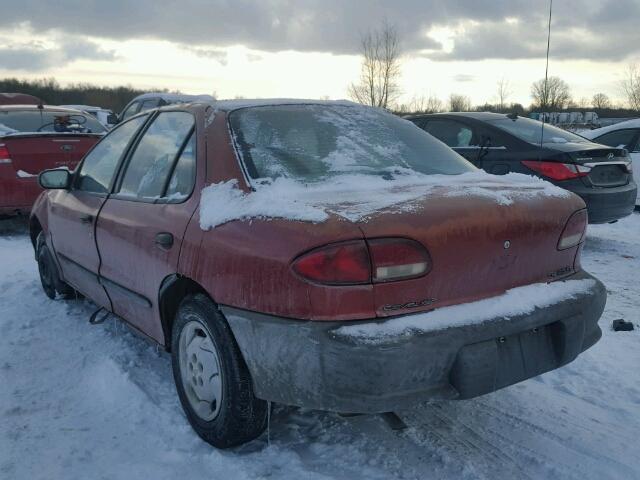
x,y
325,255
33,139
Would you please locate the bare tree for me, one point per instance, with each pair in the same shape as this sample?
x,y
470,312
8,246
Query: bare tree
x,y
459,103
422,104
601,101
553,94
380,71
503,93
631,87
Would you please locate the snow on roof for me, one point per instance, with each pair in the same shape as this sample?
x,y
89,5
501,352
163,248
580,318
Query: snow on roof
x,y
357,197
516,301
263,102
591,134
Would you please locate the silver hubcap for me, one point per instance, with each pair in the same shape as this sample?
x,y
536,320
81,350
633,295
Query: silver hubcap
x,y
200,370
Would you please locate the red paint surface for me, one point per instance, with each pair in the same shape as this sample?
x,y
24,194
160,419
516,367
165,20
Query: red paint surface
x,y
247,264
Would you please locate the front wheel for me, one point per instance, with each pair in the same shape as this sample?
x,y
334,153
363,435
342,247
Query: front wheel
x,y
212,379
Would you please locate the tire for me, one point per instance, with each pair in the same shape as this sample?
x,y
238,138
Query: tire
x,y
212,379
48,270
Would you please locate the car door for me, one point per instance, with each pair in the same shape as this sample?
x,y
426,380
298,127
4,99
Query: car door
x,y
73,212
141,226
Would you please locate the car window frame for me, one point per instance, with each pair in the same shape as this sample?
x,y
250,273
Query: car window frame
x,y
76,172
124,161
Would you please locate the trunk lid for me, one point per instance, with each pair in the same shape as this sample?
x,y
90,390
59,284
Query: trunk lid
x,y
30,154
608,165
480,244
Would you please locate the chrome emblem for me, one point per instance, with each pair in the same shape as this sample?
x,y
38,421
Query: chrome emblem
x,y
611,156
66,148
506,244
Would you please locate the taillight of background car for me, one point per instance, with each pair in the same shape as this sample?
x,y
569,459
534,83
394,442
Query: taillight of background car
x,y
556,170
4,154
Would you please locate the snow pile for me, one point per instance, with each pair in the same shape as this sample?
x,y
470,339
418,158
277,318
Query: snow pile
x,y
357,197
514,302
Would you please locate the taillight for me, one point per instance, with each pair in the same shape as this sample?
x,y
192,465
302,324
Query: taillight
x,y
361,262
4,154
556,170
574,230
398,259
336,264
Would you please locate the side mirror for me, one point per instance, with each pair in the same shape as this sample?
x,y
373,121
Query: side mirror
x,y
58,178
112,119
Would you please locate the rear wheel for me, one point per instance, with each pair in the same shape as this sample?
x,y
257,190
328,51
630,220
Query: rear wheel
x,y
48,270
212,379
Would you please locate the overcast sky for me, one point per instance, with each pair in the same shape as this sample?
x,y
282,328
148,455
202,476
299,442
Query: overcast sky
x,y
306,48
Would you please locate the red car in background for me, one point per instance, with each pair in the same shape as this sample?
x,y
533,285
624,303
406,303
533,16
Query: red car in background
x,y
324,255
34,138
19,99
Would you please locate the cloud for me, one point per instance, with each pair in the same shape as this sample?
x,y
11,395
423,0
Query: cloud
x,y
216,54
35,56
512,29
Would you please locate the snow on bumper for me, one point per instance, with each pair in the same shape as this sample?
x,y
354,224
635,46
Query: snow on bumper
x,y
452,352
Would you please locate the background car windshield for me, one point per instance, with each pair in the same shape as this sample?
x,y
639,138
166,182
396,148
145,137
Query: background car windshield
x,y
48,121
529,131
316,142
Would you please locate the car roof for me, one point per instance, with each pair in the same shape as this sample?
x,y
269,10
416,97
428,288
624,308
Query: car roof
x,y
173,97
634,123
46,108
482,116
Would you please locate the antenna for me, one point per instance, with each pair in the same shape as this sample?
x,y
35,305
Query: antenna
x,y
546,73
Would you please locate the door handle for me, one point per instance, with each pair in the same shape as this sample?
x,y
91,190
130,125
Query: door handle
x,y
86,218
164,240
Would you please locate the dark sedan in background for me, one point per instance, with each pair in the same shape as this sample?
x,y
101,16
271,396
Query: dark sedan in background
x,y
500,144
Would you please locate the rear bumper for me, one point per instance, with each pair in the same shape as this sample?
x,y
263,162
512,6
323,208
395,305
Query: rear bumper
x,y
310,364
608,204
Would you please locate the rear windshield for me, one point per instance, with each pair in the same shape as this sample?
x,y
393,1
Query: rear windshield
x,y
312,143
529,130
27,121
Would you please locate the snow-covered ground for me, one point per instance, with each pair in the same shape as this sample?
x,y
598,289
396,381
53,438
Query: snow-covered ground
x,y
95,402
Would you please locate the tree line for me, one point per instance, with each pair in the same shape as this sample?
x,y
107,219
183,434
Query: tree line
x,y
52,93
379,80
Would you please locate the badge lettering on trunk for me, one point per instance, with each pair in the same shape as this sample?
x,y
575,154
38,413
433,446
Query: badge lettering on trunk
x,y
402,306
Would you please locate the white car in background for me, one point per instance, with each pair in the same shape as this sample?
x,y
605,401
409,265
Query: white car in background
x,y
621,135
147,101
105,117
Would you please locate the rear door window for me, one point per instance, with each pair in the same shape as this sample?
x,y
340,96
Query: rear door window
x,y
619,138
184,173
99,166
452,133
152,163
